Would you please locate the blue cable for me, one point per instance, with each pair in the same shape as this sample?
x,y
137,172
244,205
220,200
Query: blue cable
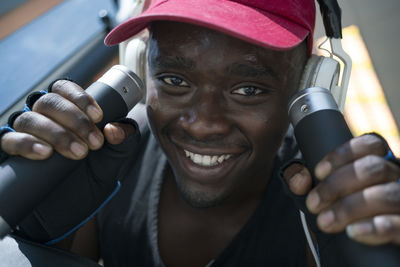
x,y
54,241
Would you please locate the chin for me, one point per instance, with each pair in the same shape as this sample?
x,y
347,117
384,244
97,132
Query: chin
x,y
201,198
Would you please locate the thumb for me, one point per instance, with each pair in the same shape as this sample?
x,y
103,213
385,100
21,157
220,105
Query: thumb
x,y
116,132
106,163
298,178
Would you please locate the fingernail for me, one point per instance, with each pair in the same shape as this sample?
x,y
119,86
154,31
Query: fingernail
x,y
78,149
41,149
323,169
326,218
357,229
95,140
118,132
94,113
296,179
313,201
382,224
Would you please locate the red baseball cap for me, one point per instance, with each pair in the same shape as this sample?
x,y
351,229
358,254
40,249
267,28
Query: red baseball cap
x,y
276,24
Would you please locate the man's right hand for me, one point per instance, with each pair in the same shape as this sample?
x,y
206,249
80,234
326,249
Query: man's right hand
x,y
63,120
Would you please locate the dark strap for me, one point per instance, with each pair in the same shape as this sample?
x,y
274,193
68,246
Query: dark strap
x,y
82,194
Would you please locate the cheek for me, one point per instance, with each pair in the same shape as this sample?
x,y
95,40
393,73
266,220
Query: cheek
x,y
273,129
154,108
160,111
152,98
268,127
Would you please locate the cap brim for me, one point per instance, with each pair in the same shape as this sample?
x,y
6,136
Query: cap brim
x,y
232,18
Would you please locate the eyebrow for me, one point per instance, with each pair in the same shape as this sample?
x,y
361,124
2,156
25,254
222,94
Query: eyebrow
x,y
253,71
172,62
237,69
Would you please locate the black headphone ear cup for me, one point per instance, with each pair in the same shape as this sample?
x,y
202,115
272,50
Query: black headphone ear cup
x,y
320,72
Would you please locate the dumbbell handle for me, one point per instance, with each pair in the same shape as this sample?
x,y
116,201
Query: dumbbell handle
x,y
319,128
25,183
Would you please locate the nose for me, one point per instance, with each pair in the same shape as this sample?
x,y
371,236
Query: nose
x,y
207,119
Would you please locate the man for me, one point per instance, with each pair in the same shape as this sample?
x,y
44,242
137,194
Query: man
x,y
204,188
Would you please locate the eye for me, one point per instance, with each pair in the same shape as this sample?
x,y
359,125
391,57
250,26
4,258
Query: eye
x,y
174,81
248,91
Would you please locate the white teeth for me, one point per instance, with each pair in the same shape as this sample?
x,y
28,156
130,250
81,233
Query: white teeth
x,y
206,160
197,159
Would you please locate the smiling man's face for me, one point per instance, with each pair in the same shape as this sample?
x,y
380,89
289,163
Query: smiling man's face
x,y
218,107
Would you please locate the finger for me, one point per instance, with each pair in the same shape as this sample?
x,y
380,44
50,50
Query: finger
x,y
25,145
71,117
365,172
115,133
377,231
79,97
298,178
354,149
64,142
372,201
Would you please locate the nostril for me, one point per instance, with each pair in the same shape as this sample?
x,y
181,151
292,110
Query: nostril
x,y
186,119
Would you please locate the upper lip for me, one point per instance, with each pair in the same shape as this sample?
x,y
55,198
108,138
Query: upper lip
x,y
208,150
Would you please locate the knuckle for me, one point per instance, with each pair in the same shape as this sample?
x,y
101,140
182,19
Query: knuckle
x,y
341,151
84,125
62,139
328,190
391,193
82,99
344,210
374,166
24,121
42,101
48,102
73,92
59,85
384,226
5,138
339,154
373,142
23,145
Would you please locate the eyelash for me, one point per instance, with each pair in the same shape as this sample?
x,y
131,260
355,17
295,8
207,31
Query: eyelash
x,y
168,80
256,91
245,91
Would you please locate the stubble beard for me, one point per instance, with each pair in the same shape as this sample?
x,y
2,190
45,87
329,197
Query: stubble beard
x,y
200,199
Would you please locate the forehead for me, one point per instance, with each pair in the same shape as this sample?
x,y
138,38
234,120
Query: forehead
x,y
190,41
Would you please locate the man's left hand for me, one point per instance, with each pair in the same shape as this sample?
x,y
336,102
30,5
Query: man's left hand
x,y
358,191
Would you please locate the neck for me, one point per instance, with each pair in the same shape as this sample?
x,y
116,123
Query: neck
x,y
244,199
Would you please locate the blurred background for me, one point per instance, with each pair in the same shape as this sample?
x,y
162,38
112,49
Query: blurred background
x,y
41,40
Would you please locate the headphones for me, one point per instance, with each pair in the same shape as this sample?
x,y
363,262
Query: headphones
x,y
332,72
133,54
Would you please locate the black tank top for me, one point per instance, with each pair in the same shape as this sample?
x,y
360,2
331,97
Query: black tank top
x,y
273,236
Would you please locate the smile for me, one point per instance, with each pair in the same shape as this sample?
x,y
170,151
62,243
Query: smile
x,y
206,160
